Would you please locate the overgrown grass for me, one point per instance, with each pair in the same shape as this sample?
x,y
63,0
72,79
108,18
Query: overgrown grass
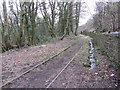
x,y
84,51
109,47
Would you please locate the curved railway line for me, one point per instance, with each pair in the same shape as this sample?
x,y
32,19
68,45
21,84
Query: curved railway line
x,y
63,70
39,64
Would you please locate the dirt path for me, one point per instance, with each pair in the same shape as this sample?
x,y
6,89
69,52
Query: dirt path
x,y
74,76
77,76
40,76
15,62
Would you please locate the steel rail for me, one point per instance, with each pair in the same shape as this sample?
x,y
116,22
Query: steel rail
x,y
32,68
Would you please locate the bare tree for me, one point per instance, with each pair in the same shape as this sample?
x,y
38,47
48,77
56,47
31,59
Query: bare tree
x,y
78,8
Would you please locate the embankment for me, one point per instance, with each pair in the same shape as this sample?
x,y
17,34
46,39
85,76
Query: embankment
x,y
109,44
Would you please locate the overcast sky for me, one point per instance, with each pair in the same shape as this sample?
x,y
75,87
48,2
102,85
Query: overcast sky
x,y
90,5
89,9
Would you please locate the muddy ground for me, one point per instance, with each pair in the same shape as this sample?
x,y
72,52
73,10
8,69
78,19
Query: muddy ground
x,y
74,76
15,62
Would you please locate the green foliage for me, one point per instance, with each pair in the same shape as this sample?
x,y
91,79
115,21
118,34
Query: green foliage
x,y
87,64
100,30
108,45
23,27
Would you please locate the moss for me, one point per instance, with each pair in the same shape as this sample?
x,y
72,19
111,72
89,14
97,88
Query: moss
x,y
86,64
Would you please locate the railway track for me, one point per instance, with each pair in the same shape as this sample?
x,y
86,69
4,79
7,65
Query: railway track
x,y
63,69
62,78
39,64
